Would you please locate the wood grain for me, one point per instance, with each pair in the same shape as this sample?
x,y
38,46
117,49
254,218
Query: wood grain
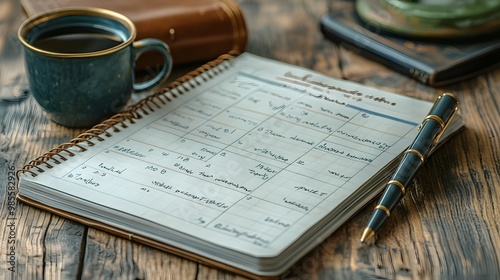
x,y
448,225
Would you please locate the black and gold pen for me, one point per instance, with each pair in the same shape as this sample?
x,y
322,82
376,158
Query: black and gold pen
x,y
431,129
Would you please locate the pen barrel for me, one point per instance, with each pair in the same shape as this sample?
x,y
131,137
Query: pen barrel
x,y
413,158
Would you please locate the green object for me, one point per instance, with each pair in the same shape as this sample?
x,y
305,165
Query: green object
x,y
438,18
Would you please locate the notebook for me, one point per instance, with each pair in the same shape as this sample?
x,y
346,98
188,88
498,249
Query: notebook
x,y
245,164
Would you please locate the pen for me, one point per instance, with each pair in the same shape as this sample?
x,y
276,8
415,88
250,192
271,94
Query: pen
x,y
430,130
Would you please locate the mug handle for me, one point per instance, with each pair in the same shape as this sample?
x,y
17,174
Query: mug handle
x,y
157,45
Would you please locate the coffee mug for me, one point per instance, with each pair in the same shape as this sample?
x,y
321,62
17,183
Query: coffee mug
x,y
80,63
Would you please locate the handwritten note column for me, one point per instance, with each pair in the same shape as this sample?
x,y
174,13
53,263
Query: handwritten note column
x,y
246,159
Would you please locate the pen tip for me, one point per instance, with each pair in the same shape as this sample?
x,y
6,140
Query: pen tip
x,y
368,234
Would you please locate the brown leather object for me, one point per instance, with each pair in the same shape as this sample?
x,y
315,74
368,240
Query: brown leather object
x,y
195,30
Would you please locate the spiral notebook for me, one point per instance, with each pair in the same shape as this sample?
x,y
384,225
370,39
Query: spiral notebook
x,y
245,164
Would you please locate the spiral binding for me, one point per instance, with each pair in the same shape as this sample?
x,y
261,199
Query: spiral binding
x,y
118,122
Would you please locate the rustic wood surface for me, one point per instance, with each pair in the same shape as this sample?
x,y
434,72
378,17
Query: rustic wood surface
x,y
448,225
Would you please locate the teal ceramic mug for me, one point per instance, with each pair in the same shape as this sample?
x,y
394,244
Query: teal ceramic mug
x,y
80,63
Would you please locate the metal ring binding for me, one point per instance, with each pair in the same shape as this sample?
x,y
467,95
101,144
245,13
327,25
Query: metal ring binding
x,y
132,113
75,144
399,184
413,151
58,151
383,208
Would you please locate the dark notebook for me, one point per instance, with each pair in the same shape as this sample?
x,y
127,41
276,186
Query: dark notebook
x,y
430,62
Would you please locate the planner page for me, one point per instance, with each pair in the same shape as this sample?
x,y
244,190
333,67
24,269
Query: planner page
x,y
247,158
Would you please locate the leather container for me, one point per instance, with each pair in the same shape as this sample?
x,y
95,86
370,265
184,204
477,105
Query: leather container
x,y
195,30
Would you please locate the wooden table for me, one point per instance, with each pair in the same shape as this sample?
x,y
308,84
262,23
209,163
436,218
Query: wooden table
x,y
448,225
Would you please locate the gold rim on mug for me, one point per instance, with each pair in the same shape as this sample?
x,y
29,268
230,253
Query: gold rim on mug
x,y
77,11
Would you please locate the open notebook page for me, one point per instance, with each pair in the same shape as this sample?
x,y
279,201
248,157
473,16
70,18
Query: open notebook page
x,y
248,161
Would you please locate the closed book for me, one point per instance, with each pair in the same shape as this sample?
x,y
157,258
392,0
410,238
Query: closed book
x,y
195,30
430,61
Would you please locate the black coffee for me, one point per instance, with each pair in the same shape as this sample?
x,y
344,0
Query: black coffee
x,y
77,42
